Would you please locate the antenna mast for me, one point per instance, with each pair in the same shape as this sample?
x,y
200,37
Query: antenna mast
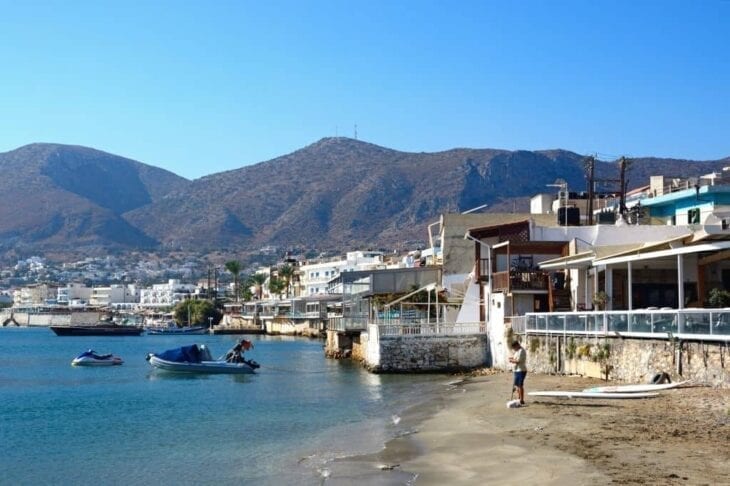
x,y
355,131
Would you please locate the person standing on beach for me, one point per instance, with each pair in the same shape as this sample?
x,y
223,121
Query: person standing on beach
x,y
519,359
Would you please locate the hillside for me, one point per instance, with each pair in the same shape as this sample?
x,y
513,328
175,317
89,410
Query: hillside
x,y
341,192
54,196
335,193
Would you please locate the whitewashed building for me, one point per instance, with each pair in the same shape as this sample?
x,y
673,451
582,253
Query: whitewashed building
x,y
314,276
167,294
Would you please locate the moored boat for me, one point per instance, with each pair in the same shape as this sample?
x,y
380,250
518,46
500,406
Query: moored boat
x,y
197,359
91,358
176,330
97,330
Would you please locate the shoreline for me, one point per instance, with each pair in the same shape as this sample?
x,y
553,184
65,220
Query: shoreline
x,y
466,435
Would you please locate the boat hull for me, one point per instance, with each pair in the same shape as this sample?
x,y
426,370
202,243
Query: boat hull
x,y
97,330
89,361
208,367
176,331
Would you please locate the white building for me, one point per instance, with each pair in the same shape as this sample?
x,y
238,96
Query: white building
x,y
74,295
167,294
114,296
315,275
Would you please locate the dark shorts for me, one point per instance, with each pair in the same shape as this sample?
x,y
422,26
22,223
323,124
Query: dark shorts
x,y
520,378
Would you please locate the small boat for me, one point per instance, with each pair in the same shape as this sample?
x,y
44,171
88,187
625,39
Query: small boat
x,y
97,330
155,331
197,359
582,394
635,388
91,358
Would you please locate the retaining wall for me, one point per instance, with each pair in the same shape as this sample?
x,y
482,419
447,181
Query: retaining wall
x,y
630,360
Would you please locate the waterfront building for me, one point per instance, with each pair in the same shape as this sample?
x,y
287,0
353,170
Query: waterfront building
x,y
42,294
315,275
167,295
117,296
74,295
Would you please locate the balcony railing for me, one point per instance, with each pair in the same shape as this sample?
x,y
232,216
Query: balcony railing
x,y
431,329
520,280
701,324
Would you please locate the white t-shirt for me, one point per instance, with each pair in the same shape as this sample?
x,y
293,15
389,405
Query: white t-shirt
x,y
520,358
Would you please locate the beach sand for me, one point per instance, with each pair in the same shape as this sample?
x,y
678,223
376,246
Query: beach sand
x,y
466,435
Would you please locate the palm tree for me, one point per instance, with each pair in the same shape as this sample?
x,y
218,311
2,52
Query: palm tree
x,y
286,273
234,267
258,280
276,286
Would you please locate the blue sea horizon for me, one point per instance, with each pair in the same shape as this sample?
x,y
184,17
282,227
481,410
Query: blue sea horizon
x,y
131,424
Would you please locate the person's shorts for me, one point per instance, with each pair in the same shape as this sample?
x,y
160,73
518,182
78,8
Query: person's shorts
x,y
520,378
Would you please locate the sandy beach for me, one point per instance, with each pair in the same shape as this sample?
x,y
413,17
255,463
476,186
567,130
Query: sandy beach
x,y
466,435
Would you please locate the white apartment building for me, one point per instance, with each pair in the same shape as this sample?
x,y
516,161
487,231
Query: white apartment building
x,y
314,276
35,295
167,294
74,295
114,296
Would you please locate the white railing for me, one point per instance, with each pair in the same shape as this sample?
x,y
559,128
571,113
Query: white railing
x,y
701,324
432,329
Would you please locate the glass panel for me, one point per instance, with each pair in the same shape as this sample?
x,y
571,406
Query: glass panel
x,y
618,322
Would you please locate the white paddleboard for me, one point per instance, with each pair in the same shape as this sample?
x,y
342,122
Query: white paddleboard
x,y
582,394
634,388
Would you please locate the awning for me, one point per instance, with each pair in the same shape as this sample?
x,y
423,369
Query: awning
x,y
579,260
651,255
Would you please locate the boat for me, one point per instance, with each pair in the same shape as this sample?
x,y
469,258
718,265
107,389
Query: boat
x,y
582,394
651,387
176,330
91,358
197,359
97,330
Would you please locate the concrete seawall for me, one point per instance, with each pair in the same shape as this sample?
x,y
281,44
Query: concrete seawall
x,y
411,353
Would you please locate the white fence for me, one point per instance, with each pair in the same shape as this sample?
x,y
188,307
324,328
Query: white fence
x,y
431,329
699,324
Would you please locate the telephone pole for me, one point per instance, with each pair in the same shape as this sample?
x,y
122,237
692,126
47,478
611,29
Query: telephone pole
x,y
590,165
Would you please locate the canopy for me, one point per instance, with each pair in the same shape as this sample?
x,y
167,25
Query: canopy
x,y
184,354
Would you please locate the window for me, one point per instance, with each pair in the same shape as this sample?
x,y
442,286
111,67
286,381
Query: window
x,y
693,216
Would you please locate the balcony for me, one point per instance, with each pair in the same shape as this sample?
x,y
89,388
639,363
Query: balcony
x,y
516,280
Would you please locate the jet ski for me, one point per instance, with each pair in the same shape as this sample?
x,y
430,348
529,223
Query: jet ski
x,y
91,358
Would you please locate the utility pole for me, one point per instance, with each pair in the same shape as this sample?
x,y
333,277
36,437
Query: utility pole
x,y
590,165
207,288
623,165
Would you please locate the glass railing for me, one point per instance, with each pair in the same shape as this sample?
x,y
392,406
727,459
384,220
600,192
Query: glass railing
x,y
663,323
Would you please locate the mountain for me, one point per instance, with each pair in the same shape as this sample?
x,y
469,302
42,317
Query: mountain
x,y
55,196
336,193
340,192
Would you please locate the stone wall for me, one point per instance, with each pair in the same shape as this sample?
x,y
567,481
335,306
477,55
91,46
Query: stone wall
x,y
338,345
427,353
630,360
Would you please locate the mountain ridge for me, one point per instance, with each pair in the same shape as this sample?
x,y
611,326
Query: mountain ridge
x,y
334,193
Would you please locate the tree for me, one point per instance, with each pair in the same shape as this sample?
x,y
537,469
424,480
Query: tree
x,y
234,267
286,273
276,286
199,312
258,280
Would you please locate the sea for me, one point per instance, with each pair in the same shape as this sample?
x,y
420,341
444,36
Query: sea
x,y
132,424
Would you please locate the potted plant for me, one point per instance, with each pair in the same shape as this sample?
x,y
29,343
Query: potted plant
x,y
599,299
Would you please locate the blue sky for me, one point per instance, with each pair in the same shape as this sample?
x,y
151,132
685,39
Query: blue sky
x,y
203,86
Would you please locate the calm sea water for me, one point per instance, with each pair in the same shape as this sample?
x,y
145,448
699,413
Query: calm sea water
x,y
131,424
